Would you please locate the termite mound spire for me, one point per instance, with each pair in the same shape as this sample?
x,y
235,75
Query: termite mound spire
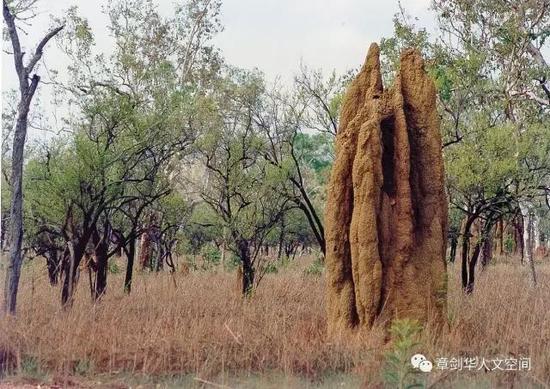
x,y
386,211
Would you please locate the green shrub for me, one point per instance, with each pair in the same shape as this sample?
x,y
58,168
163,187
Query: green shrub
x,y
211,255
83,367
509,244
232,262
316,268
30,367
271,268
113,267
398,371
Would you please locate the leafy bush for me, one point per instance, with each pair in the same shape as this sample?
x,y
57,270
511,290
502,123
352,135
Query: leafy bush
x,y
398,371
30,367
232,263
113,267
509,244
211,255
271,268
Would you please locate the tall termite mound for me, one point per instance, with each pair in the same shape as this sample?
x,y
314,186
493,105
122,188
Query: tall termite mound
x,y
386,212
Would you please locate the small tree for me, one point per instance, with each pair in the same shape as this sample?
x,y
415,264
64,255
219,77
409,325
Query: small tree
x,y
240,185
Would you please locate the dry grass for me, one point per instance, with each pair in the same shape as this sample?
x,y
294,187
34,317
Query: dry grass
x,y
202,328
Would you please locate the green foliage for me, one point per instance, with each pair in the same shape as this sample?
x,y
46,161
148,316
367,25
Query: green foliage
x,y
509,244
455,221
443,82
232,263
406,35
83,367
113,267
202,226
211,255
30,367
315,151
486,160
398,371
316,268
270,268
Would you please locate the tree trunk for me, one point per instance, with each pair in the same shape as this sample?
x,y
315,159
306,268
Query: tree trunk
x,y
74,254
472,268
530,244
102,268
4,222
316,225
247,268
469,264
223,248
454,244
160,258
487,251
281,241
52,263
130,253
26,93
500,237
466,250
69,271
518,237
13,272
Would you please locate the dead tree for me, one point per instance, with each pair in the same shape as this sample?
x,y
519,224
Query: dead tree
x,y
27,87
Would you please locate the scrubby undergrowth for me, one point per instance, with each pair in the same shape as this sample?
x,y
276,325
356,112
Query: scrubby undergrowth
x,y
198,325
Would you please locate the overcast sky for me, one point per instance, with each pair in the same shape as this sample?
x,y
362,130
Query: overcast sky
x,y
272,35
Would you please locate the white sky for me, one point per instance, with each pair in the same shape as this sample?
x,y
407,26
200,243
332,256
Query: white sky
x,y
272,35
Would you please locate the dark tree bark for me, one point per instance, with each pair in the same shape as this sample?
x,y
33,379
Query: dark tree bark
x,y
73,256
27,88
465,249
530,244
281,239
469,264
472,268
248,270
454,244
52,263
518,237
101,244
487,251
130,254
315,224
500,237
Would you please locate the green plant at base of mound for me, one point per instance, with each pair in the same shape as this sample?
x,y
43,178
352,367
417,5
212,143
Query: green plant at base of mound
x,y
398,371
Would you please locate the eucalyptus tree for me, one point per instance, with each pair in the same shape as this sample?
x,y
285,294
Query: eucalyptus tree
x,y
299,127
133,113
28,80
239,184
487,60
505,42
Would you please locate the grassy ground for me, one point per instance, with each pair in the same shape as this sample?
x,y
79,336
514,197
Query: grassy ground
x,y
196,331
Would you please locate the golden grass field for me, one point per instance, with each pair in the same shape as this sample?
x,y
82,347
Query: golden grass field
x,y
195,330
